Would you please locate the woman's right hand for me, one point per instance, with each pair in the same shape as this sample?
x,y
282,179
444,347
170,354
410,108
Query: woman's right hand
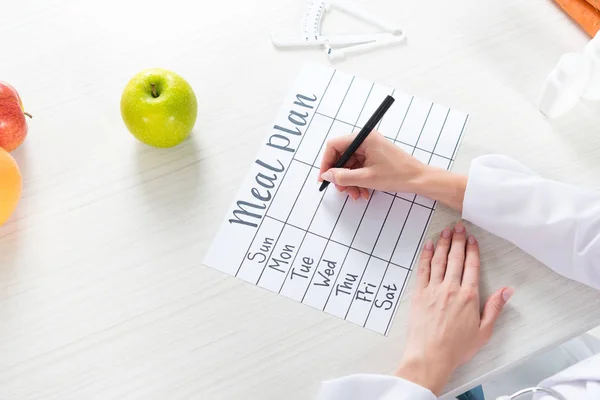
x,y
377,164
381,165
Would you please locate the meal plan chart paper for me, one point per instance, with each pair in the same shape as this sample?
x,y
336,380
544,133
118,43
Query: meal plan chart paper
x,y
349,258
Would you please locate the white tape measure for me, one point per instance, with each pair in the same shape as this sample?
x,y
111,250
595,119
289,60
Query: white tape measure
x,y
311,36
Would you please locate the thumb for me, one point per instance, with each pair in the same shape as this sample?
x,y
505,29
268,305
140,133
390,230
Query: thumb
x,y
492,309
347,177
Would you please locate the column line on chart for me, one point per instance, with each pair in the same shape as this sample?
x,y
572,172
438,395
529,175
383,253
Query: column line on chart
x,y
388,265
439,135
408,275
407,200
306,232
381,120
335,119
285,173
336,242
404,118
418,148
347,252
437,139
286,223
406,279
315,213
400,235
413,201
339,216
418,137
389,209
431,212
371,255
298,196
422,128
359,223
396,140
460,137
435,145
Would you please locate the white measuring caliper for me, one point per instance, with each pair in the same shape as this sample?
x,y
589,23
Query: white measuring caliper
x,y
311,31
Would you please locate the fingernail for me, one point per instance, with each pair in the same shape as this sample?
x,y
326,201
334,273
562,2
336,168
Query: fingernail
x,y
471,239
429,245
459,227
507,294
446,233
327,176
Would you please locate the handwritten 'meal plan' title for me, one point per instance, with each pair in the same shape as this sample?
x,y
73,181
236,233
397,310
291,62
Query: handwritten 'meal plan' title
x,y
248,213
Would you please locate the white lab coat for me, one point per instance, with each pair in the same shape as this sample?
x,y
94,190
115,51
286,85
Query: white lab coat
x,y
556,223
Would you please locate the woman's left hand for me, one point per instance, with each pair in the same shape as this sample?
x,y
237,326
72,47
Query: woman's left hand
x,y
446,327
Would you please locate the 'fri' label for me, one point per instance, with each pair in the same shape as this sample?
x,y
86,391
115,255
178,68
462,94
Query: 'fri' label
x,y
384,305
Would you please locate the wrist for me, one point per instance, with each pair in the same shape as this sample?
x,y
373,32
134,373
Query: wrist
x,y
441,185
430,375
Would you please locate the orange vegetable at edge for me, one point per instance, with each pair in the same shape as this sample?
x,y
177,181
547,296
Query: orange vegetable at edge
x,y
583,13
595,3
11,185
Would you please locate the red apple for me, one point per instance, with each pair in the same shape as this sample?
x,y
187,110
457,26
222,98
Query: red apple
x,y
13,126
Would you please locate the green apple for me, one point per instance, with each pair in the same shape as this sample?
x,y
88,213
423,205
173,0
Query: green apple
x,y
159,107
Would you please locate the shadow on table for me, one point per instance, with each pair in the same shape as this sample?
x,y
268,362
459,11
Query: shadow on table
x,y
519,36
169,179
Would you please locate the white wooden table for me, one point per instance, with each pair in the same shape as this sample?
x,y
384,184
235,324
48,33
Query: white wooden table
x,y
103,295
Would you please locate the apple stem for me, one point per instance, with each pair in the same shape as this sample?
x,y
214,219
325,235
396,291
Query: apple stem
x,y
29,115
154,94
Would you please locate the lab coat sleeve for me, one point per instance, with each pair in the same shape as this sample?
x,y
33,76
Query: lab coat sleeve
x,y
556,223
373,387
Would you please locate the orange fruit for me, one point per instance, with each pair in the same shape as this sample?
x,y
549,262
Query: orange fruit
x,y
11,185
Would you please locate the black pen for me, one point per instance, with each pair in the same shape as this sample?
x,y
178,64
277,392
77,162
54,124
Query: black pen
x,y
362,135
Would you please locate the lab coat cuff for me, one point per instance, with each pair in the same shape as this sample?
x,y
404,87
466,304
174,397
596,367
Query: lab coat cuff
x,y
373,387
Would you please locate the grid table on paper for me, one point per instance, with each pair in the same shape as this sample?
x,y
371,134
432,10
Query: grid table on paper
x,y
351,258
